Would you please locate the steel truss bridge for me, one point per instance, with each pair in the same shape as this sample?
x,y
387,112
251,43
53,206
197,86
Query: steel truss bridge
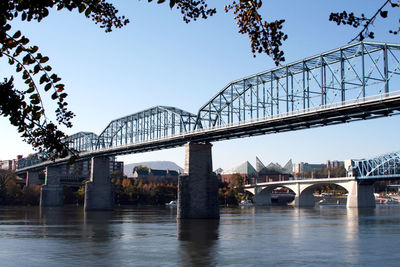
x,y
355,82
383,167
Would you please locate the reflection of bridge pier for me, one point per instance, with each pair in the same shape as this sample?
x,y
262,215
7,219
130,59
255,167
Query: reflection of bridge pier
x,y
360,194
198,239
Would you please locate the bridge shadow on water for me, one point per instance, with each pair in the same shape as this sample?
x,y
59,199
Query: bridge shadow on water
x,y
198,246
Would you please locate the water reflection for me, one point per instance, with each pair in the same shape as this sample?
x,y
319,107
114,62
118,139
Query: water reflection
x,y
198,242
96,226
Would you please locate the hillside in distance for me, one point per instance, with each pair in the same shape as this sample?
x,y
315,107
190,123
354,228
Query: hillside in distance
x,y
157,165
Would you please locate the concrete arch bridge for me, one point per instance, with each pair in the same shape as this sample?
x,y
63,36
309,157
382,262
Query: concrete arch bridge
x,y
359,194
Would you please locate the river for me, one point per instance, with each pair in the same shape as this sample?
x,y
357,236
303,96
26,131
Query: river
x,y
151,236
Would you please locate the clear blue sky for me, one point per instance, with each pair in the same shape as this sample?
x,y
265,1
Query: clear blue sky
x,y
159,60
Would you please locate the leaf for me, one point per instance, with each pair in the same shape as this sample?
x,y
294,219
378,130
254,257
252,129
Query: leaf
x,y
87,12
36,69
82,8
30,90
47,68
33,49
43,78
47,87
44,59
19,67
60,87
54,96
24,40
35,101
171,3
17,35
60,6
25,75
36,116
34,96
18,50
384,14
160,1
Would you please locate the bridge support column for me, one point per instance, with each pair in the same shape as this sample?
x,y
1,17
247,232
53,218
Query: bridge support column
x,y
99,191
303,198
51,193
361,195
198,187
32,178
262,197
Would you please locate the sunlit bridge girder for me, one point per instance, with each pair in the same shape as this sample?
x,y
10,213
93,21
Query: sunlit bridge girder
x,y
351,72
154,123
385,166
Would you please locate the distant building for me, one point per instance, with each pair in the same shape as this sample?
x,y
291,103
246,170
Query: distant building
x,y
116,165
330,164
304,167
155,176
275,172
245,170
8,164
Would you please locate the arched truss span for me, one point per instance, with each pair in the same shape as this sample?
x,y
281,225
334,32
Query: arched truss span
x,y
82,141
351,72
385,166
150,124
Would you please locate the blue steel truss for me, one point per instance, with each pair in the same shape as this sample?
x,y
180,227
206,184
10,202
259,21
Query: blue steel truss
x,y
384,167
149,124
82,141
352,72
357,81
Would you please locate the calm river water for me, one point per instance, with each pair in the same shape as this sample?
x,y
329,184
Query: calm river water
x,y
149,236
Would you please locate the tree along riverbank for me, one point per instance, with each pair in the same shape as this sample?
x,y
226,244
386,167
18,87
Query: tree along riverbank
x,y
127,192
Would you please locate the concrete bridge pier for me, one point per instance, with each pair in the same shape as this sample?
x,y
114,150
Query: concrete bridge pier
x,y
51,193
303,198
262,197
99,191
360,195
198,187
32,178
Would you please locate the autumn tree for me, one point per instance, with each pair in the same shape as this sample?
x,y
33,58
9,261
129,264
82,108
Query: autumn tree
x,y
24,106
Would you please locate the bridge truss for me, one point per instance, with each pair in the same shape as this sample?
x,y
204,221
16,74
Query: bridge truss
x,y
354,82
149,124
384,167
349,73
82,141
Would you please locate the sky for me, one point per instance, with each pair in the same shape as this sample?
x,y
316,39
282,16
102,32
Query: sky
x,y
157,59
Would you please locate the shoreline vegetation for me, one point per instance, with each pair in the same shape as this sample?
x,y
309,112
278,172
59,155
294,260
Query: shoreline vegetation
x,y
130,192
126,191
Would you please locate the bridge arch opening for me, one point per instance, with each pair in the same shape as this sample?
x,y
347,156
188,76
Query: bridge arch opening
x,y
278,195
322,193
